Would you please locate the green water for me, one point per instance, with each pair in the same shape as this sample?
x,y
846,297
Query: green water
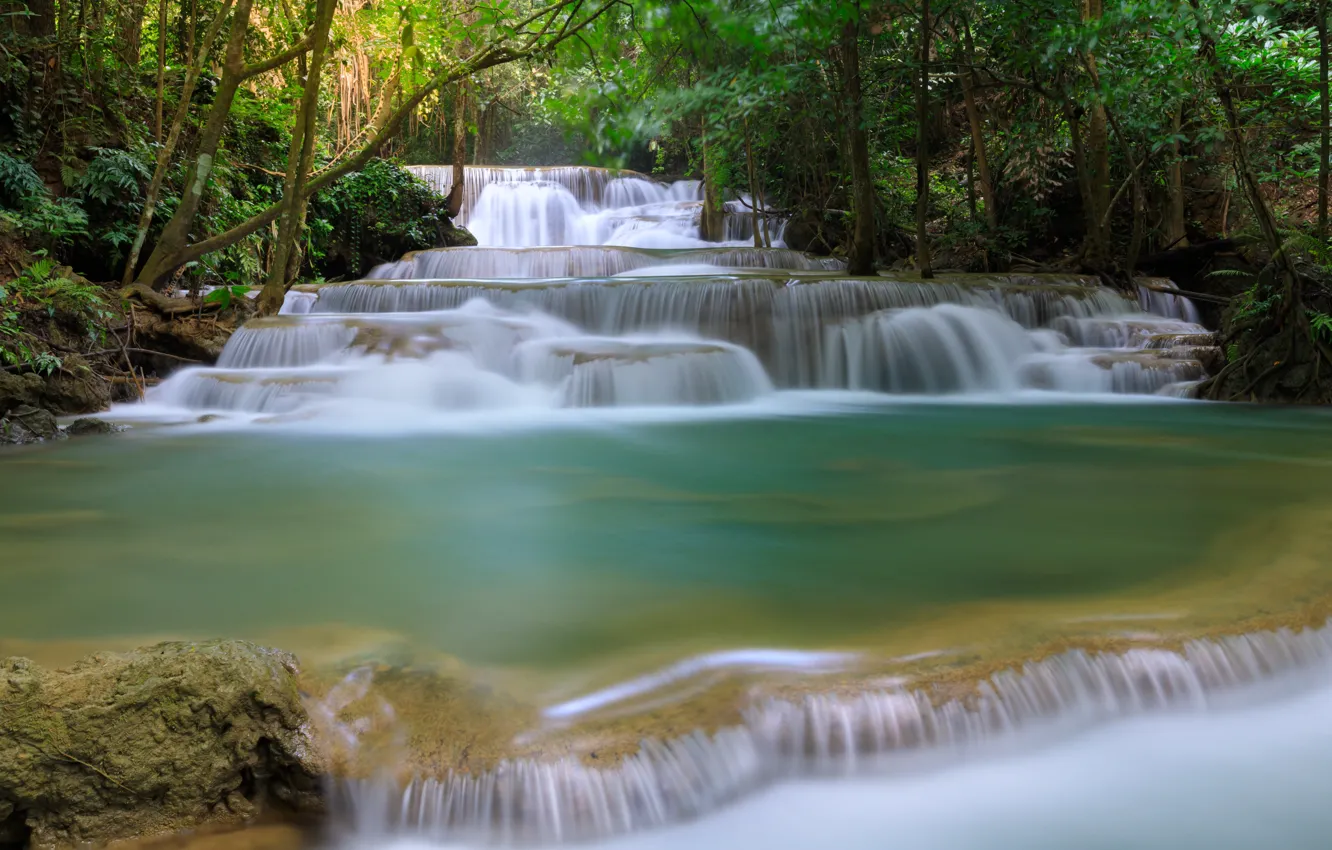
x,y
550,547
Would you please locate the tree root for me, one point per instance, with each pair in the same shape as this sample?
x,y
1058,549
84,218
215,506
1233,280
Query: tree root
x,y
159,303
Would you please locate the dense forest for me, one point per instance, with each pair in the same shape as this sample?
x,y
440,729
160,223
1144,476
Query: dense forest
x,y
161,158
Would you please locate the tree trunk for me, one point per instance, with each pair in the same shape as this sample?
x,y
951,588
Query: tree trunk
x,y
175,236
1139,232
130,31
923,262
1248,180
40,22
967,77
713,226
1097,252
387,121
161,68
459,150
176,233
300,161
753,190
1175,225
1325,130
168,150
860,259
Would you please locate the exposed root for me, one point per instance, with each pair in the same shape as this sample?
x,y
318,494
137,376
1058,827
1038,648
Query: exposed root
x,y
163,305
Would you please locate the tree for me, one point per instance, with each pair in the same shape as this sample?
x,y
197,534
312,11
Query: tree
x,y
513,37
1324,121
861,256
923,262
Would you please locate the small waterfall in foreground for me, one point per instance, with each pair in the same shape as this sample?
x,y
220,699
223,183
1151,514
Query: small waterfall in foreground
x,y
592,288
666,782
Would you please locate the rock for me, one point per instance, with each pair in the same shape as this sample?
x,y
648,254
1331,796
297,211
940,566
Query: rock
x,y
29,425
87,425
171,737
454,236
72,390
815,231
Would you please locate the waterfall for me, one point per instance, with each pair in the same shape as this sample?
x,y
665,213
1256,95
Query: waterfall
x,y
586,185
584,262
666,782
592,288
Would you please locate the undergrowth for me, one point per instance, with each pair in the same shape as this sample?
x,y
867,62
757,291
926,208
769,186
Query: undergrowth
x,y
39,292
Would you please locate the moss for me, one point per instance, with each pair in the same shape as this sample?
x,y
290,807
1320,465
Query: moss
x,y
167,738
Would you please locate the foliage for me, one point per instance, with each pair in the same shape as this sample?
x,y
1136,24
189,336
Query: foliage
x,y
375,215
225,296
42,289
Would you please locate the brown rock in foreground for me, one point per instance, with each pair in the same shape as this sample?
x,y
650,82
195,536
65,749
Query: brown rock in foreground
x,y
170,737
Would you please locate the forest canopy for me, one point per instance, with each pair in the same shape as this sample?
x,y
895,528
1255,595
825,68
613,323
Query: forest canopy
x,y
187,143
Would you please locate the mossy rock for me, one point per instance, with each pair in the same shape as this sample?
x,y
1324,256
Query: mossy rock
x,y
171,737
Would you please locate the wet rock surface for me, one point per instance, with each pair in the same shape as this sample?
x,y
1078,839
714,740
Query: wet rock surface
x,y
88,426
75,392
29,425
171,737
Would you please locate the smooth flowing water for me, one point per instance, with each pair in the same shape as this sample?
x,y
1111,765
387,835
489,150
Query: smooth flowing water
x,y
600,532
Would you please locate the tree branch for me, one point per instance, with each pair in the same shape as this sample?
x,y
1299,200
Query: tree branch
x,y
279,59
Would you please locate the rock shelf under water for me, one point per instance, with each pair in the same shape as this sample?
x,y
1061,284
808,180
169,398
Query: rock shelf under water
x,y
668,781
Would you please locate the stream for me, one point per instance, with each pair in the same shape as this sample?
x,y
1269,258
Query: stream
x,y
596,531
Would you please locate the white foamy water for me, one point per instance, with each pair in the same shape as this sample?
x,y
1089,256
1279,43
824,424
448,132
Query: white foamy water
x,y
1249,779
1253,778
570,205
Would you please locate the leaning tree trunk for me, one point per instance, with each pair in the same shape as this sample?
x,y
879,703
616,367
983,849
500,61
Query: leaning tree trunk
x,y
860,259
285,261
1286,328
175,236
923,261
176,233
168,150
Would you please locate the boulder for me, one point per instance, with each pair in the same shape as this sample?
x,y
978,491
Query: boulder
x,y
29,425
88,425
73,390
171,737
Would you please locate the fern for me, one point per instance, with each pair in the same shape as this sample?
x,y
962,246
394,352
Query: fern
x,y
1304,243
20,186
1249,305
1231,273
1321,324
113,174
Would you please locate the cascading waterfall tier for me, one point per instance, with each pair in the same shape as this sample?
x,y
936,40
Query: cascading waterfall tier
x,y
819,331
586,185
568,205
471,358
665,782
588,262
